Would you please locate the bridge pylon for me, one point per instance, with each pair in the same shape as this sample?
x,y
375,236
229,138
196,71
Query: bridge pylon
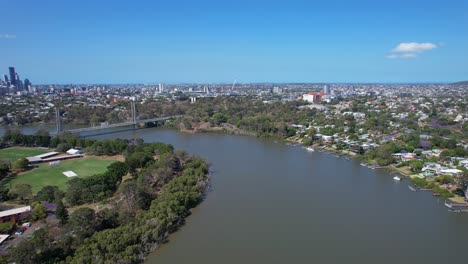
x,y
134,121
58,120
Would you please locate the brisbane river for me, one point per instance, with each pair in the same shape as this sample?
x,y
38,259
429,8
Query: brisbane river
x,y
275,203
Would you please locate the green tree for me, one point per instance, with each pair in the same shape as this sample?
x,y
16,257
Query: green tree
x,y
219,118
38,211
416,165
383,154
63,147
76,188
5,228
138,160
83,222
128,190
49,194
21,164
353,137
4,169
290,132
42,138
23,191
117,170
62,213
23,253
40,249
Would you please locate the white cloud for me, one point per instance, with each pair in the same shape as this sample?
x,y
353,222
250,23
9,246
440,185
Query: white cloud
x,y
409,50
411,47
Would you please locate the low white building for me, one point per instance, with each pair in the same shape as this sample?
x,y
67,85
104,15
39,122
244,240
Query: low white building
x,y
74,151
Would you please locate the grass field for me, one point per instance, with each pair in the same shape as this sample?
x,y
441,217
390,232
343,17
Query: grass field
x,y
15,153
47,174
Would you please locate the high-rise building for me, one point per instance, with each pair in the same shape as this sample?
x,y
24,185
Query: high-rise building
x,y
5,77
27,83
277,90
325,89
12,76
18,83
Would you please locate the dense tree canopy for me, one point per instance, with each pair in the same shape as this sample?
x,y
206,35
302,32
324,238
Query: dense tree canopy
x,y
144,209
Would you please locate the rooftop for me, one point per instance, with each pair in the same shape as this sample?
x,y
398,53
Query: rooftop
x,y
15,211
3,238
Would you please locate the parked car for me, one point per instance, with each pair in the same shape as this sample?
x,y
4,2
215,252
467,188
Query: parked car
x,y
27,224
19,232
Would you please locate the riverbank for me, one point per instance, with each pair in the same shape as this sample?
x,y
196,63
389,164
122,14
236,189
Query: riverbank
x,y
287,186
419,183
147,232
223,129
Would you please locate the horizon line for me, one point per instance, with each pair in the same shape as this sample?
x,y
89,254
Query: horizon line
x,y
237,83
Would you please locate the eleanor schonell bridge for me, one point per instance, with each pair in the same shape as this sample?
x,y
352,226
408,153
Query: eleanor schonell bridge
x,y
132,123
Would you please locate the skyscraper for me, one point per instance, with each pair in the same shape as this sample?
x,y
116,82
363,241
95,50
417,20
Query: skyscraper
x,y
18,83
12,76
5,77
325,89
27,84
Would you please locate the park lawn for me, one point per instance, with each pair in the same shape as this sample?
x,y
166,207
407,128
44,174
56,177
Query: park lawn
x,y
15,153
47,174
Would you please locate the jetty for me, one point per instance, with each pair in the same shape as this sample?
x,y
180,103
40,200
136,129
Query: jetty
x,y
458,210
453,205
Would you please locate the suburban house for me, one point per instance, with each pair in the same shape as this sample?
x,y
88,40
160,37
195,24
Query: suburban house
x,y
408,157
433,152
431,167
451,172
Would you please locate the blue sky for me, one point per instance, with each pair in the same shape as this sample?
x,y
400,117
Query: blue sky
x,y
220,41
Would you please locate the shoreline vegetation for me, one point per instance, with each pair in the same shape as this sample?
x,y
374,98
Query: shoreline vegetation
x,y
417,183
117,216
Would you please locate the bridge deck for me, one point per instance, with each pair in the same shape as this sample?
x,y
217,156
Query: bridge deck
x,y
130,123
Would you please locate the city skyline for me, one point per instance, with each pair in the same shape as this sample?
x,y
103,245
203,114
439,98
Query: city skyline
x,y
212,42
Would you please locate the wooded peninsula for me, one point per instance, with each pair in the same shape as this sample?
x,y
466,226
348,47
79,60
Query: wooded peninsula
x,y
118,216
